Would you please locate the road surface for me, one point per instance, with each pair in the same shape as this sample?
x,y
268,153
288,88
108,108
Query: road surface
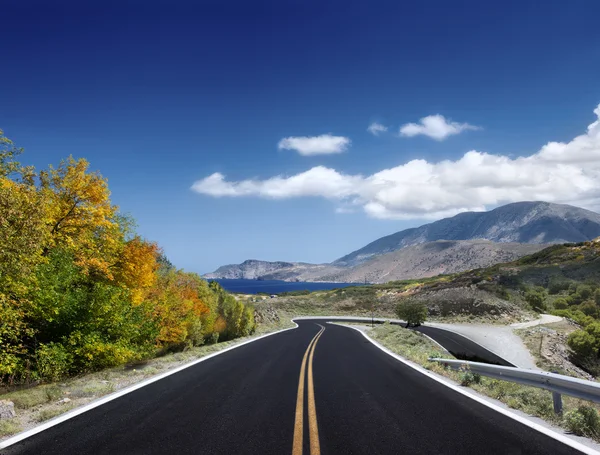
x,y
318,389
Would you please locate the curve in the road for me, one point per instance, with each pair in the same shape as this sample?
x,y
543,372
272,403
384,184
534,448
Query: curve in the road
x,y
458,345
244,402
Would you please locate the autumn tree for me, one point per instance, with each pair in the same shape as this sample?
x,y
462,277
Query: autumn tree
x,y
80,291
22,237
81,216
137,266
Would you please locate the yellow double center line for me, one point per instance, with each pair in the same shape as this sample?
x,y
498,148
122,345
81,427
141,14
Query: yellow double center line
x,y
313,429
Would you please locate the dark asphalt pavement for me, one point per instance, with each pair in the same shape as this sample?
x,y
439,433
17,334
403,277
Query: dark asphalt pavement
x,y
244,402
461,347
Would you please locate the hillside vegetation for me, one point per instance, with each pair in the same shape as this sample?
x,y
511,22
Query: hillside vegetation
x,y
560,278
80,290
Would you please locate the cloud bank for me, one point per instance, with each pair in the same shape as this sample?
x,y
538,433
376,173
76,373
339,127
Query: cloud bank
x,y
558,172
436,127
324,144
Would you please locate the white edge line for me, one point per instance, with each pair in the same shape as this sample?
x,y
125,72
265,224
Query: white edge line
x,y
548,432
113,396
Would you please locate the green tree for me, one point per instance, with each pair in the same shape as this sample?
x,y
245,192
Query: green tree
x,y
414,313
561,304
582,344
536,300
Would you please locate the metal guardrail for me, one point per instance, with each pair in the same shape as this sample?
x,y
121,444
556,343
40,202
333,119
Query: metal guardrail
x,y
556,383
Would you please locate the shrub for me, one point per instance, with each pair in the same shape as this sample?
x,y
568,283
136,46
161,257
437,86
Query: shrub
x,y
195,333
584,291
412,313
561,304
582,344
536,300
467,377
557,284
583,421
8,427
589,308
53,361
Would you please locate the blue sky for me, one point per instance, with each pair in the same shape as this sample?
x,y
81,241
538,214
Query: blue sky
x,y
161,97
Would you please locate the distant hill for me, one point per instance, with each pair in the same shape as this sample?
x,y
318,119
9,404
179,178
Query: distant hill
x,y
276,270
250,269
471,240
431,259
521,222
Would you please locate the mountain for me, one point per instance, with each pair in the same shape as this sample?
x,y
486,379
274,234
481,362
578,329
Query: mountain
x,y
517,229
522,222
278,270
431,259
249,270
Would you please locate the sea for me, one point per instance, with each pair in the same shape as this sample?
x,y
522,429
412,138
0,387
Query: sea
x,y
275,286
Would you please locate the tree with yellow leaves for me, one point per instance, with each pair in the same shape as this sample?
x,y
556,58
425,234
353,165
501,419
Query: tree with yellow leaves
x,y
81,217
137,267
79,290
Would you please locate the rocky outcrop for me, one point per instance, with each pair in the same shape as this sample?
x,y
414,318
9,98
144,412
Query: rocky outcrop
x,y
7,410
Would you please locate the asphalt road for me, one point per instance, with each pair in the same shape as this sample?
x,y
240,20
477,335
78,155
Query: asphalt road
x,y
354,399
458,345
461,347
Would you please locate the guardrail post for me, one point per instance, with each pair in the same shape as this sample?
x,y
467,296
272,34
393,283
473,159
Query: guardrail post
x,y
557,399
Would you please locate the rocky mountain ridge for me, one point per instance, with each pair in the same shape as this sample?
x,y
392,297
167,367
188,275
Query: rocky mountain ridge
x,y
466,241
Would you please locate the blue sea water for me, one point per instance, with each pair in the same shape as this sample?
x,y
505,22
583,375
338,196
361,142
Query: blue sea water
x,y
275,287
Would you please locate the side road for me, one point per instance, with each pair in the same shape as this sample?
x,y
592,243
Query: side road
x,y
500,339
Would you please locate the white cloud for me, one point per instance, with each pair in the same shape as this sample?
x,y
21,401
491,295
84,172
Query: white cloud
x,y
377,128
566,172
436,127
324,144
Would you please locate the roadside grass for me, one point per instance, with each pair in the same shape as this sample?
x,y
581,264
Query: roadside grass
x,y
580,417
342,303
8,427
39,403
50,413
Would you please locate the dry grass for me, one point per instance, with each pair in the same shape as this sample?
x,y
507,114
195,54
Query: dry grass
x,y
8,427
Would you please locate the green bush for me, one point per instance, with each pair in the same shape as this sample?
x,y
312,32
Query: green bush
x,y
584,291
557,284
53,361
195,333
561,304
582,344
589,308
583,421
536,300
467,378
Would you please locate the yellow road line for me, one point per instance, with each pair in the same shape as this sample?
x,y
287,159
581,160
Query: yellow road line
x,y
315,448
299,421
